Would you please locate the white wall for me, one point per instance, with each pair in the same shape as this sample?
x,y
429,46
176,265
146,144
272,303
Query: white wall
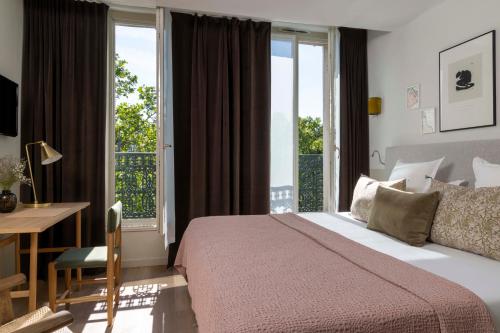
x,y
409,55
11,41
143,248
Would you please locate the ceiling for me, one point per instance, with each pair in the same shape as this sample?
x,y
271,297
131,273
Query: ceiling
x,y
384,15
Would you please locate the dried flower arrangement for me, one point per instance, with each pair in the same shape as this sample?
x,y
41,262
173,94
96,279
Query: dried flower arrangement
x,y
12,171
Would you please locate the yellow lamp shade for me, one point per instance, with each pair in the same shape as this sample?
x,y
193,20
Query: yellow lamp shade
x,y
374,106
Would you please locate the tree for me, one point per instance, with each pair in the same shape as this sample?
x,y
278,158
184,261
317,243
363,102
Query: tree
x,y
135,123
135,131
310,135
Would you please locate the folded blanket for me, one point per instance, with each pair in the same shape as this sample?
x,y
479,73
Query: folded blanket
x,y
282,273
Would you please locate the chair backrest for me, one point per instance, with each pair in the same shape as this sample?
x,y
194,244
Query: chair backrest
x,y
6,311
114,217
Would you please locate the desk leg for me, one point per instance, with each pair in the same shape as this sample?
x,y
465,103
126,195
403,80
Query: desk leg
x,y
78,245
18,253
33,271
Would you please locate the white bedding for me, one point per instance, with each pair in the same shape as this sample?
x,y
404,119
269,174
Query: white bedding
x,y
478,274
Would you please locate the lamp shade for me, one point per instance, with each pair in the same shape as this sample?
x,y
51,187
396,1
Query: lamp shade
x,y
374,105
48,154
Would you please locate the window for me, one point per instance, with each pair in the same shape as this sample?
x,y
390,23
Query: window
x,y
282,124
300,122
135,119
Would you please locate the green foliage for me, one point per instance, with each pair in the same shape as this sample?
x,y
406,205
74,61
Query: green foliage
x,y
135,124
310,135
135,132
125,81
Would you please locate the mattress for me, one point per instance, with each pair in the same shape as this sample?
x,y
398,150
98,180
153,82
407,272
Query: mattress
x,y
476,273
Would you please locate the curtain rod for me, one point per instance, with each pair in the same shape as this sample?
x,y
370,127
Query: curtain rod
x,y
280,24
215,14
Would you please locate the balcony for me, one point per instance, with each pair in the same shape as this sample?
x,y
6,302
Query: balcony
x,y
135,184
310,187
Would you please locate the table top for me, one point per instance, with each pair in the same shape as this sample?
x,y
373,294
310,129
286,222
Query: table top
x,y
28,220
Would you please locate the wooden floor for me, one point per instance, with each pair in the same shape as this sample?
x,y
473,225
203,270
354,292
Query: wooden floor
x,y
154,299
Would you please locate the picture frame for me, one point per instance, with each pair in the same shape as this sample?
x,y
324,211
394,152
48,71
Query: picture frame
x,y
413,97
467,84
428,117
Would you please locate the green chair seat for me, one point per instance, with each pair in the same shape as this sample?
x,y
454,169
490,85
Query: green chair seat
x,y
86,257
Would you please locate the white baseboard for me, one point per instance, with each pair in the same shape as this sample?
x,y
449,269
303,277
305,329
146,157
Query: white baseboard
x,y
143,262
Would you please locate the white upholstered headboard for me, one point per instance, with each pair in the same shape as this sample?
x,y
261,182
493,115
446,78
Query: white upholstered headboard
x,y
458,157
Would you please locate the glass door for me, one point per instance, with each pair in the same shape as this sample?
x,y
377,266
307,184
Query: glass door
x,y
313,104
283,122
300,123
135,123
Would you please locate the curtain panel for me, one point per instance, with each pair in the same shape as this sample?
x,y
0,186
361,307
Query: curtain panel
x,y
221,116
354,135
64,103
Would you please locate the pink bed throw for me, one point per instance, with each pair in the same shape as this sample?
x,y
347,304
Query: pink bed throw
x,y
282,273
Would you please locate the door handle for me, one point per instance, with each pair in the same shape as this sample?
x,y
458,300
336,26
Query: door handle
x,y
167,145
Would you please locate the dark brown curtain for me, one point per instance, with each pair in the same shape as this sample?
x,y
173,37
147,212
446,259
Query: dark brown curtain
x,y
222,112
63,102
354,146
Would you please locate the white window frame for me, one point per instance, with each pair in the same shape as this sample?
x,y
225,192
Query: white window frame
x,y
313,38
145,19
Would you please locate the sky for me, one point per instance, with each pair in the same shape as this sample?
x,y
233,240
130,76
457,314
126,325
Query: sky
x,y
310,61
137,45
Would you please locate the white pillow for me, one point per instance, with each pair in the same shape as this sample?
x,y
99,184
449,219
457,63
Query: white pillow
x,y
486,173
416,174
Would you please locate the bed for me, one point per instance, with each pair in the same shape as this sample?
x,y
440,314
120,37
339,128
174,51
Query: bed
x,y
476,273
319,272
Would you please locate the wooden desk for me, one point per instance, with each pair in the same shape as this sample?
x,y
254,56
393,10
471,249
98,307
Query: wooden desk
x,y
34,221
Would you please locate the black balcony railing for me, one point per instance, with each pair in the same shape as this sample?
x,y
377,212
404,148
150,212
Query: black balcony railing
x,y
311,183
135,184
310,187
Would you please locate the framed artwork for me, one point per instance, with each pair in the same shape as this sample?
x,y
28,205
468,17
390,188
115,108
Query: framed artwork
x,y
413,97
467,84
428,121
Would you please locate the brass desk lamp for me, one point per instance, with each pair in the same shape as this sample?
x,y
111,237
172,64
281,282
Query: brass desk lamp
x,y
48,156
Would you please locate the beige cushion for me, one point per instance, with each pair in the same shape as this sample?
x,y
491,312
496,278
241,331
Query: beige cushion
x,y
364,192
404,215
468,219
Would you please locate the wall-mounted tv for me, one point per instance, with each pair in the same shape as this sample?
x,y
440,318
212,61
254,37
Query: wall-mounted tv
x,y
8,106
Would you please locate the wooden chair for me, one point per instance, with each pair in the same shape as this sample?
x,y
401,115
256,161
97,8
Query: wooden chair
x,y
14,238
108,257
42,320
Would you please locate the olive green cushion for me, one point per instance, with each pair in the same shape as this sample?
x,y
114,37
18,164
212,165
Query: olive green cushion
x,y
404,215
86,257
114,217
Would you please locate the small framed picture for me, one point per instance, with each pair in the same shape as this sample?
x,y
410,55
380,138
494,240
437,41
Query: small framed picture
x,y
467,84
428,121
413,97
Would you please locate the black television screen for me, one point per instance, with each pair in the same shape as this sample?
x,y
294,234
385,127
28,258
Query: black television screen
x,y
8,107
